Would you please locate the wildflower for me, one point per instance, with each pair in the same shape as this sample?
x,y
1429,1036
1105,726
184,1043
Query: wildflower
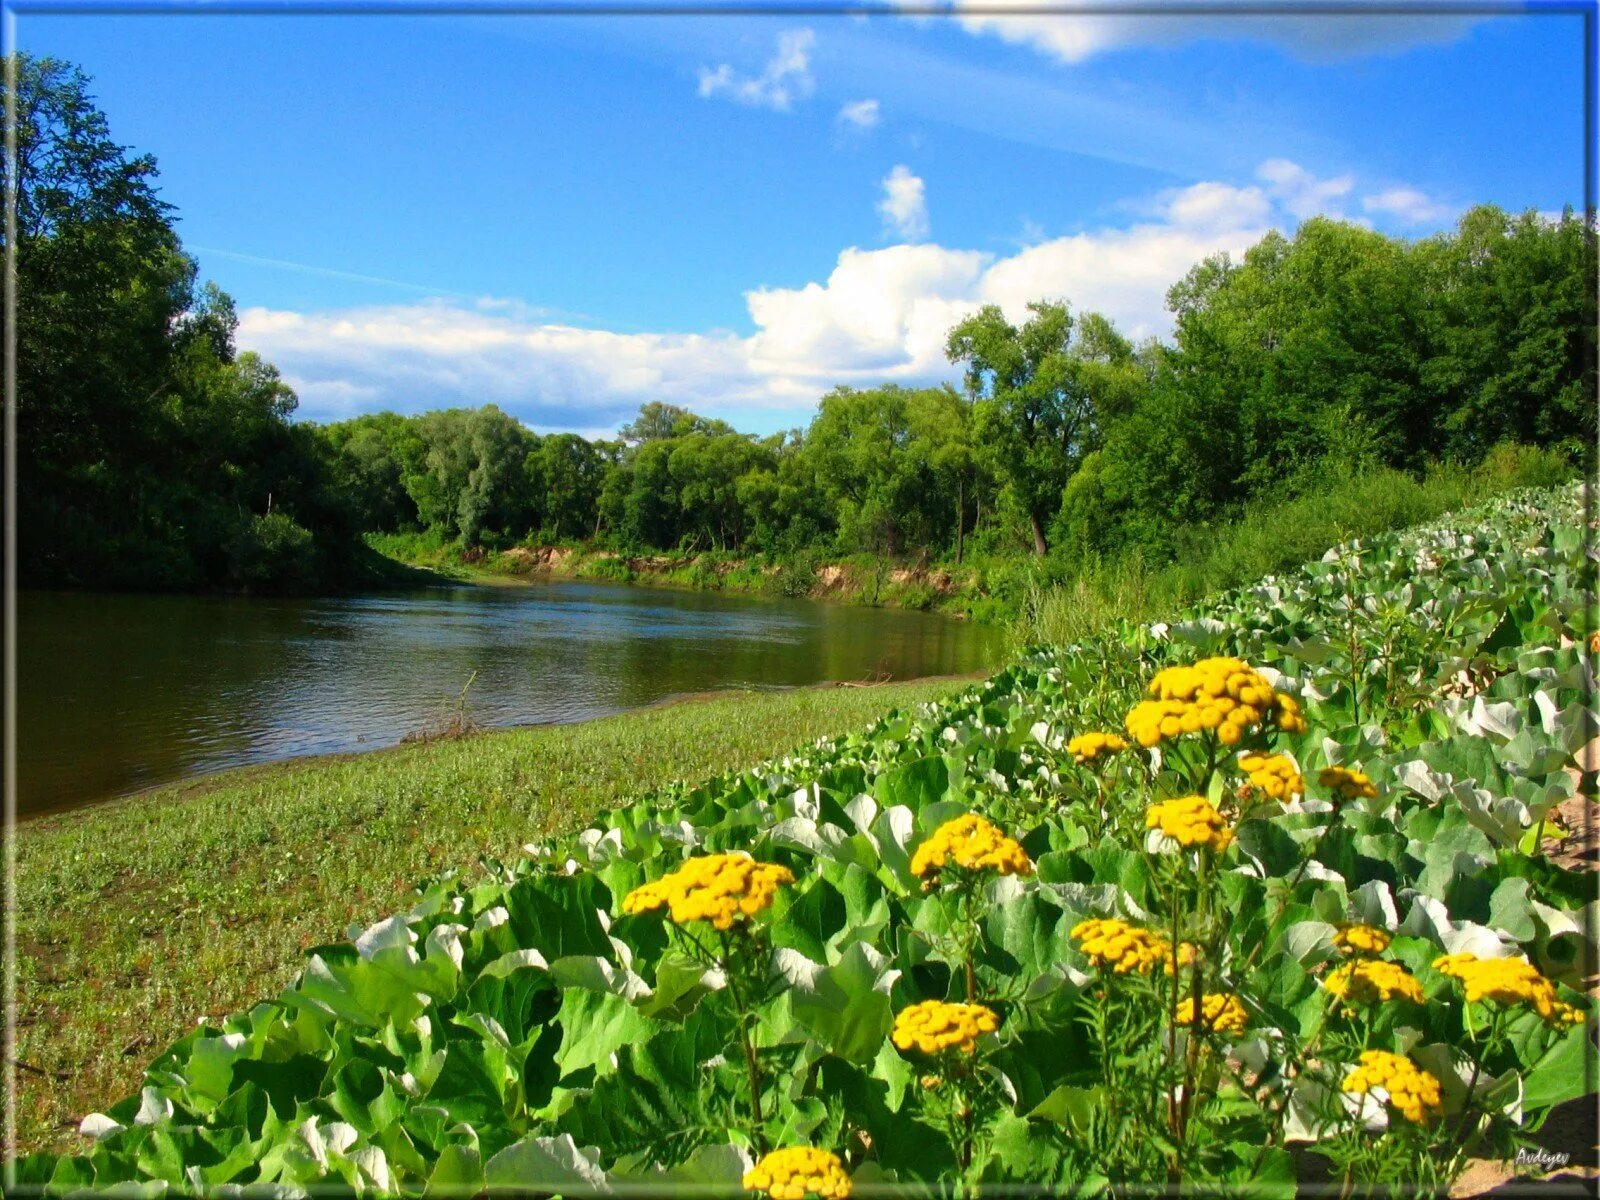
x,y
1220,1012
799,1171
1273,774
934,1025
1370,980
1087,747
1190,821
1397,1081
1509,981
1221,694
1355,938
1347,783
1128,948
720,888
974,844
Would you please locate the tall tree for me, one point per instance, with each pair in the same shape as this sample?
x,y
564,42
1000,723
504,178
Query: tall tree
x,y
1041,398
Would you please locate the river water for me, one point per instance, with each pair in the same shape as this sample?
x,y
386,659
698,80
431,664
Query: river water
x,y
117,692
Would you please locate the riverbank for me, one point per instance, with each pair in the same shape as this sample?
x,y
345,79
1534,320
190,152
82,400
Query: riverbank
x,y
974,590
137,917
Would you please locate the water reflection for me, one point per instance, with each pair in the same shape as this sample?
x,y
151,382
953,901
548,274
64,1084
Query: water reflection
x,y
120,692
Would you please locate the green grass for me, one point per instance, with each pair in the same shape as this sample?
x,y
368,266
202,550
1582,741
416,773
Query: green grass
x,y
136,918
1267,539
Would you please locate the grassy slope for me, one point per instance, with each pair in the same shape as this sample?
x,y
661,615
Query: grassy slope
x,y
136,918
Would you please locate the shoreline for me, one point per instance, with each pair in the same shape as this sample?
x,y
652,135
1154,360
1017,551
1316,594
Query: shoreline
x,y
204,782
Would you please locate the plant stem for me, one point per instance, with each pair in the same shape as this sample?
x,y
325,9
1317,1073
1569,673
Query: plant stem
x,y
751,1065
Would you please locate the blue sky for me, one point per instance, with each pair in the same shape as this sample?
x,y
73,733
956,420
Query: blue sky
x,y
568,216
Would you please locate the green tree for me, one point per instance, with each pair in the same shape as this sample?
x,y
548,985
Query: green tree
x,y
1041,398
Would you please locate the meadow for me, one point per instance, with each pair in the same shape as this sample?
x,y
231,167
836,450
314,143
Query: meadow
x,y
1253,897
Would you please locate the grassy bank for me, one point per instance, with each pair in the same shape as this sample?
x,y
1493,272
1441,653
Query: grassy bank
x,y
1265,539
136,918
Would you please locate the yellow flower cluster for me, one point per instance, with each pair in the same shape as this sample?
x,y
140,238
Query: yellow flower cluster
x,y
1406,1086
1128,948
973,843
1273,774
1220,1012
1361,939
934,1025
1370,980
1223,694
1347,783
1509,981
1087,747
720,888
1190,821
796,1172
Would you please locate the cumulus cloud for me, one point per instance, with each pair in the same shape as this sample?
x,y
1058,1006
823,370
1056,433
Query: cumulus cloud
x,y
904,205
785,78
1407,204
879,315
1075,37
1300,192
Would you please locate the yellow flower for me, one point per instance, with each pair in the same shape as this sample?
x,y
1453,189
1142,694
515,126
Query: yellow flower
x,y
973,843
1220,1012
1509,981
1087,747
1347,783
934,1025
1355,938
1367,980
799,1171
1406,1087
1128,948
1273,774
1190,821
1221,694
720,888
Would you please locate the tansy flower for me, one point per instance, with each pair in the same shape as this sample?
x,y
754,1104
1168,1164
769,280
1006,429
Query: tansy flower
x,y
720,888
1124,948
1220,694
1366,980
934,1025
1399,1082
1509,981
1220,1012
799,1171
1361,939
1273,774
974,844
1190,821
1347,783
1087,747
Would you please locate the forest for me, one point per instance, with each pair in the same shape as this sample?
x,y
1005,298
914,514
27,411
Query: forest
x,y
158,455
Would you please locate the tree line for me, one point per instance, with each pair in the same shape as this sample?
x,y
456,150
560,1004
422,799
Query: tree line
x,y
1335,351
157,455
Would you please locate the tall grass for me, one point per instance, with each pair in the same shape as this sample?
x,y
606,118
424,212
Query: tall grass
x,y
1266,539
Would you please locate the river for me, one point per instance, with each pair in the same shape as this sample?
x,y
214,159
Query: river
x,y
116,692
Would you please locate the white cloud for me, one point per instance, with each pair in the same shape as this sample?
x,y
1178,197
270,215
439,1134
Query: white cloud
x,y
879,315
1209,205
861,114
1300,192
1074,37
785,78
1407,204
904,206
